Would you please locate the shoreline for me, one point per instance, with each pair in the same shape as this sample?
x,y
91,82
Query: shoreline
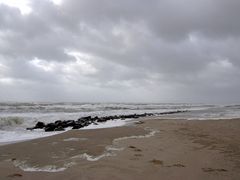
x,y
178,149
102,125
105,125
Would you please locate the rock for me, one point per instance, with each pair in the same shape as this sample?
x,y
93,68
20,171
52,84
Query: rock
x,y
77,126
59,128
69,123
58,122
171,112
39,125
50,127
87,123
95,118
116,117
87,120
101,120
83,119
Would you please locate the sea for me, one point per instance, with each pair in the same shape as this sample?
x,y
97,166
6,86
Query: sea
x,y
15,117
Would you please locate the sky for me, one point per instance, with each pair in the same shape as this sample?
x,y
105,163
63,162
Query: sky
x,y
166,51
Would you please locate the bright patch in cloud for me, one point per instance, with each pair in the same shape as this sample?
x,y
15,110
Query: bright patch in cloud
x,y
22,5
81,65
192,38
219,73
221,65
42,64
6,81
57,2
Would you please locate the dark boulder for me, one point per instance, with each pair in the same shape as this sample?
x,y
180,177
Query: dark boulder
x,y
95,118
59,128
116,117
86,118
87,123
39,125
69,123
102,119
77,126
58,122
50,127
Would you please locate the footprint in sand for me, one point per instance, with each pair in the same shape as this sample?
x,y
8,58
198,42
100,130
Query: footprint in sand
x,y
15,175
132,147
134,158
135,148
159,162
214,170
156,162
138,155
176,165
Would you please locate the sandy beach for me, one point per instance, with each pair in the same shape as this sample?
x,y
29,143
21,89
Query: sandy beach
x,y
150,149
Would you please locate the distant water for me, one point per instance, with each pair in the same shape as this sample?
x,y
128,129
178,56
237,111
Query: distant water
x,y
15,117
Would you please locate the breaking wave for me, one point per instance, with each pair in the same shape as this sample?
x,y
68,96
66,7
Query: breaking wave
x,y
10,121
16,117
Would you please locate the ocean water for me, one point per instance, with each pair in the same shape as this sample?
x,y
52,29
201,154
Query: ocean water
x,y
16,117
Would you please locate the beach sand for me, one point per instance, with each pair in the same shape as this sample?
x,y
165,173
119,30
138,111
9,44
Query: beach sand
x,y
152,149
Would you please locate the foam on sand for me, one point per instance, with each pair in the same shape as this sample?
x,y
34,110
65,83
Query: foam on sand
x,y
109,124
48,168
75,139
150,134
109,150
8,137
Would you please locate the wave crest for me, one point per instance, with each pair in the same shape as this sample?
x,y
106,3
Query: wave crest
x,y
10,121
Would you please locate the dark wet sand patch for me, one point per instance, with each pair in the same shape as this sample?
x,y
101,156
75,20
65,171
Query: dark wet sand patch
x,y
176,165
15,175
135,148
214,170
156,162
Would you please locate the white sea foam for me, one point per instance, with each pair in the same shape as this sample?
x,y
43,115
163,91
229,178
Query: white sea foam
x,y
16,117
7,137
109,150
10,136
10,121
150,134
92,158
48,168
75,139
109,124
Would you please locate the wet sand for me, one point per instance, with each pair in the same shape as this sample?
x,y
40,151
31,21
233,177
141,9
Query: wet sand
x,y
152,149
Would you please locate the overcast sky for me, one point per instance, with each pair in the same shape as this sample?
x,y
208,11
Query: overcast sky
x,y
120,50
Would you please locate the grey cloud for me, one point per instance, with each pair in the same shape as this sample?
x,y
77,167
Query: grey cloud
x,y
168,50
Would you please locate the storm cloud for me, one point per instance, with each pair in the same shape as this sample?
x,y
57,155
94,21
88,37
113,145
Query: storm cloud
x,y
120,51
